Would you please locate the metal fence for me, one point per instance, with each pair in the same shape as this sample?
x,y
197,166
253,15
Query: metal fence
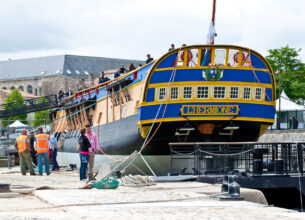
x,y
247,157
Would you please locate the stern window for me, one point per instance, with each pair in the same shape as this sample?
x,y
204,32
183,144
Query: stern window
x,y
233,58
234,91
202,92
174,92
258,93
219,92
162,93
247,93
220,57
187,92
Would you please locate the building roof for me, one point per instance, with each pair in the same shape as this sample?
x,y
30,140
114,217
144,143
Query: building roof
x,y
69,65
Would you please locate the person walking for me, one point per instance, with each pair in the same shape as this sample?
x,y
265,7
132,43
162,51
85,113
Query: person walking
x,y
41,146
92,150
84,146
23,145
33,151
53,146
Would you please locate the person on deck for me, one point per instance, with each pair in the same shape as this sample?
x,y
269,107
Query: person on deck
x,y
69,93
122,70
33,151
84,146
23,145
172,47
92,150
53,145
149,59
41,146
61,95
131,67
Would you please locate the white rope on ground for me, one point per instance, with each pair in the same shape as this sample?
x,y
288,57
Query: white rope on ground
x,y
136,181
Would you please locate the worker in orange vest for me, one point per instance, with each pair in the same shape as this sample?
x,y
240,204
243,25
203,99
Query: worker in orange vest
x,y
42,148
23,145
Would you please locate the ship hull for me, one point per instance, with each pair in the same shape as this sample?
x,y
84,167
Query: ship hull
x,y
122,137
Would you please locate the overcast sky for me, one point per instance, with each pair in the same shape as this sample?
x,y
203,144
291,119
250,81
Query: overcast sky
x,y
132,28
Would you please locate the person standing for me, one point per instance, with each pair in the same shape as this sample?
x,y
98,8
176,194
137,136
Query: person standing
x,y
61,95
33,151
149,59
41,146
53,145
84,146
122,69
23,145
92,150
172,47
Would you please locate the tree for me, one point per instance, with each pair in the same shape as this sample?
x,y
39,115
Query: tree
x,y
286,62
13,100
41,117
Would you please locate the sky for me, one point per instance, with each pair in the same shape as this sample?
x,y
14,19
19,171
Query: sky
x,y
132,28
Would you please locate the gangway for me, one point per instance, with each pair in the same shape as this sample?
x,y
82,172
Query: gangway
x,y
28,106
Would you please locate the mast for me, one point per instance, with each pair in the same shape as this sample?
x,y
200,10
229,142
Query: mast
x,y
214,11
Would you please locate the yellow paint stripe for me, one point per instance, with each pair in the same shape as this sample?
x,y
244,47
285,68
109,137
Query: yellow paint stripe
x,y
211,83
205,67
206,118
204,101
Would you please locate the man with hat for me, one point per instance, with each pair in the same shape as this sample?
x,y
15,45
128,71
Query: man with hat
x,y
23,145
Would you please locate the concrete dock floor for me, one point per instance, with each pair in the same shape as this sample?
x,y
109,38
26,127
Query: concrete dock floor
x,y
175,200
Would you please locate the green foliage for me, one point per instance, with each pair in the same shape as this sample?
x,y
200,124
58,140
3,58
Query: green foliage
x,y
41,117
286,62
14,99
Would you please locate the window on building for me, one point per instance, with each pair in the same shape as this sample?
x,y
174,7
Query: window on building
x,y
219,92
4,87
187,92
234,92
40,91
12,87
258,93
174,92
21,88
247,93
29,89
202,92
162,93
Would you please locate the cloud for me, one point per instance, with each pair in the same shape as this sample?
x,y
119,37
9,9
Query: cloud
x,y
132,28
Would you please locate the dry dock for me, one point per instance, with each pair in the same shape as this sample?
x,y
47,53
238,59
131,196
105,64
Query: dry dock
x,y
178,200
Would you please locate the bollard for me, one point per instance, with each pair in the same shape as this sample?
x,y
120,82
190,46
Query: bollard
x,y
230,189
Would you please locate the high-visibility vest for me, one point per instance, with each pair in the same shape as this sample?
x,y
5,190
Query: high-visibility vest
x,y
22,143
41,143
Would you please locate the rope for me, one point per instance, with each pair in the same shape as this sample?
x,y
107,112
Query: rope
x,y
170,83
253,71
225,155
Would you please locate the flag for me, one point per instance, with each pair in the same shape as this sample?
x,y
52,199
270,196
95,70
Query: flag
x,y
211,34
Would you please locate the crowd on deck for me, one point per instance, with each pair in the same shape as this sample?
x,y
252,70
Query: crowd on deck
x,y
103,78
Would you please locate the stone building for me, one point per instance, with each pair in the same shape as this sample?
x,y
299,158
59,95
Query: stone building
x,y
47,75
